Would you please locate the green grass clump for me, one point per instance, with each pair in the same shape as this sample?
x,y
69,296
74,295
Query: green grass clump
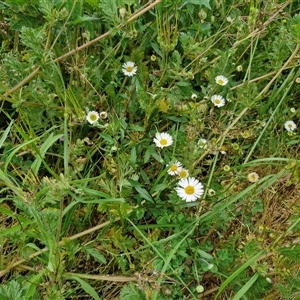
x,y
92,202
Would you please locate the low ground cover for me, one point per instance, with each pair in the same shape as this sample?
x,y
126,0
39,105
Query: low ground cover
x,y
149,150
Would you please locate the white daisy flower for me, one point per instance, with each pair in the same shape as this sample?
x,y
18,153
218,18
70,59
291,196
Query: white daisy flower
x,y
92,117
183,173
129,69
218,100
202,143
163,139
290,125
174,168
190,189
221,80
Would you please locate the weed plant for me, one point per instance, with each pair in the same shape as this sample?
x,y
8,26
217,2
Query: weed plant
x,y
149,150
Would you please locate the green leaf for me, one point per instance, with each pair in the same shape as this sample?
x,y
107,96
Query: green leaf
x,y
96,254
84,19
182,83
108,138
5,134
32,285
93,3
199,2
204,254
46,145
94,193
246,287
159,187
133,155
144,194
147,155
156,49
136,128
87,288
238,271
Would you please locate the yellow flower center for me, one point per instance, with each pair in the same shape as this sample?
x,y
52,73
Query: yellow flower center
x,y
129,69
290,125
173,168
163,142
217,101
183,174
190,190
220,81
93,117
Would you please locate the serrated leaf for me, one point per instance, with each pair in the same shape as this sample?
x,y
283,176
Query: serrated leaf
x,y
130,292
